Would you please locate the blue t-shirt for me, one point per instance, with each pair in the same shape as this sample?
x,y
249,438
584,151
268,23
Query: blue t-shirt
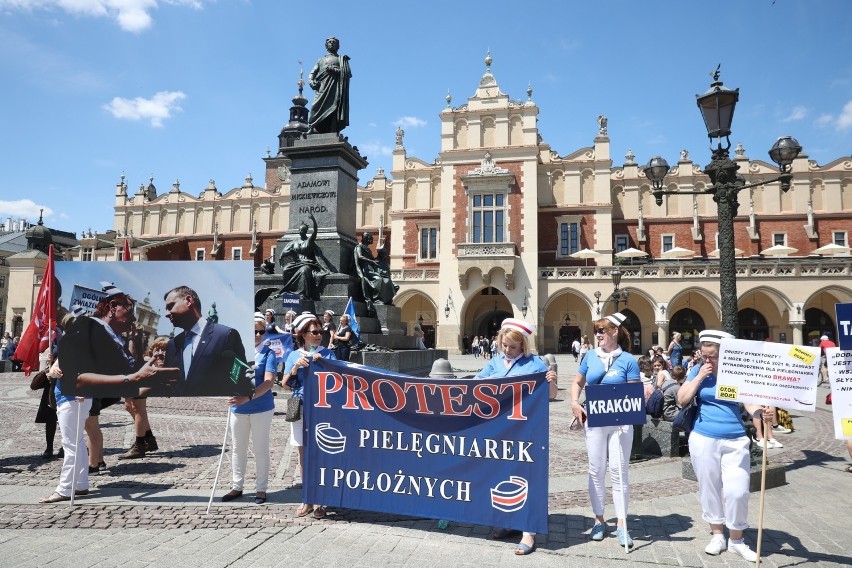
x,y
297,383
717,419
624,368
264,362
525,365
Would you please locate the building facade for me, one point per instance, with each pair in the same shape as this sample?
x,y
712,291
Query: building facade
x,y
487,230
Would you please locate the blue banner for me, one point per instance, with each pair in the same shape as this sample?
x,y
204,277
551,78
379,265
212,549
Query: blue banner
x,y
461,450
615,405
281,343
844,326
290,302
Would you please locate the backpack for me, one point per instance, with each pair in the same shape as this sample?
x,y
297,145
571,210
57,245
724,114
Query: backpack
x,y
654,405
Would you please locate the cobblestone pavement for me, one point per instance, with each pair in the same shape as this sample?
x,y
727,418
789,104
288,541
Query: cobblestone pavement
x,y
150,511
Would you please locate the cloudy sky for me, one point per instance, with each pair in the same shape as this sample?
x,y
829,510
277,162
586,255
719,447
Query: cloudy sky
x,y
194,90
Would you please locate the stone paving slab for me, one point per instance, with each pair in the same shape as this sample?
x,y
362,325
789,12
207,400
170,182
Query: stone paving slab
x,y
153,511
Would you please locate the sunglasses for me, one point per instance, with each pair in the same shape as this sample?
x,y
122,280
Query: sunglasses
x,y
259,331
314,332
599,330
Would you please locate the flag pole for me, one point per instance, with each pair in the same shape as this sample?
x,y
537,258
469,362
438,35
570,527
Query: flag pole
x,y
221,458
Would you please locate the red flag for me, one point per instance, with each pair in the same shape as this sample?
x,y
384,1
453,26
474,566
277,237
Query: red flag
x,y
126,254
40,333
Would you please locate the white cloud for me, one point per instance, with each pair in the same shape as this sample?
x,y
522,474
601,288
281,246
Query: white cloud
x,y
375,149
155,109
409,122
131,15
844,121
23,209
824,120
798,113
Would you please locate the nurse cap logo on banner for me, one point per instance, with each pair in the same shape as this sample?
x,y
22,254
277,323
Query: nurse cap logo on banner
x,y
524,328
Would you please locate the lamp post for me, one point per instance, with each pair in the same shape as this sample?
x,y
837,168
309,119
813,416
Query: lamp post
x,y
617,295
717,108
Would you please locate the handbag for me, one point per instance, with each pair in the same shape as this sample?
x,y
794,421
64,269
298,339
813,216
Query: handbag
x,y
685,419
294,409
39,381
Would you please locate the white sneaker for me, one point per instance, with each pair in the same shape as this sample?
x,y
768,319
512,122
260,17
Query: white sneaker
x,y
716,545
780,430
742,549
774,444
759,444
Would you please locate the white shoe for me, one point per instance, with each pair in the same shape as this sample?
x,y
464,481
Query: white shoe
x,y
781,430
774,444
742,549
716,545
759,444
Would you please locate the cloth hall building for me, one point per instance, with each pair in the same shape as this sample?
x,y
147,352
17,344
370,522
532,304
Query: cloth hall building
x,y
487,230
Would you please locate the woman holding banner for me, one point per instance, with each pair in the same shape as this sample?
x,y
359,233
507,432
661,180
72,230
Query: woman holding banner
x,y
251,417
515,359
608,446
307,337
718,448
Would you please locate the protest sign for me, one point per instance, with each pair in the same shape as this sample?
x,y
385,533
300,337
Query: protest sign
x,y
459,450
840,376
615,405
767,373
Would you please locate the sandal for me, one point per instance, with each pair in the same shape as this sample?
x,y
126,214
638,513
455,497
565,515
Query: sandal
x,y
303,510
319,512
523,549
54,498
849,469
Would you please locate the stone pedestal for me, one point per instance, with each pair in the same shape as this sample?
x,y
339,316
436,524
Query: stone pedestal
x,y
323,182
323,171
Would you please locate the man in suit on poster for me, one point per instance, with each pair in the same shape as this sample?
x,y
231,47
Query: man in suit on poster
x,y
205,351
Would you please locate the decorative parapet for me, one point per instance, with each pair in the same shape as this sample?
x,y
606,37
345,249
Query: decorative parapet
x,y
758,268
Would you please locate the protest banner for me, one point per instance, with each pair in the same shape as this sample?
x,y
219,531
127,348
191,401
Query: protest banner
x,y
768,373
615,405
473,452
840,377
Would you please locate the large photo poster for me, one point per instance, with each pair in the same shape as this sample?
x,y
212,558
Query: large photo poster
x,y
157,328
840,375
455,449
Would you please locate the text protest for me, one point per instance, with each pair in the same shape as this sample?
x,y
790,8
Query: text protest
x,y
460,450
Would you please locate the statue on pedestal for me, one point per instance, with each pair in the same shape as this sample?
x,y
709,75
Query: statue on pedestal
x,y
330,80
376,283
302,273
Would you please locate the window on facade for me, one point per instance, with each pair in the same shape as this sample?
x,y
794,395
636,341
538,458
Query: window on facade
x,y
199,254
87,253
2,280
272,252
667,243
428,242
839,238
779,239
488,218
622,242
569,238
237,253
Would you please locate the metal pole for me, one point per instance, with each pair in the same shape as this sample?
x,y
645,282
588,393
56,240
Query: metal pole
x,y
722,172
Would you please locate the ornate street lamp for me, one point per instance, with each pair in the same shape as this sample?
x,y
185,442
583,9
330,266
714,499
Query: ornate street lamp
x,y
717,109
617,295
